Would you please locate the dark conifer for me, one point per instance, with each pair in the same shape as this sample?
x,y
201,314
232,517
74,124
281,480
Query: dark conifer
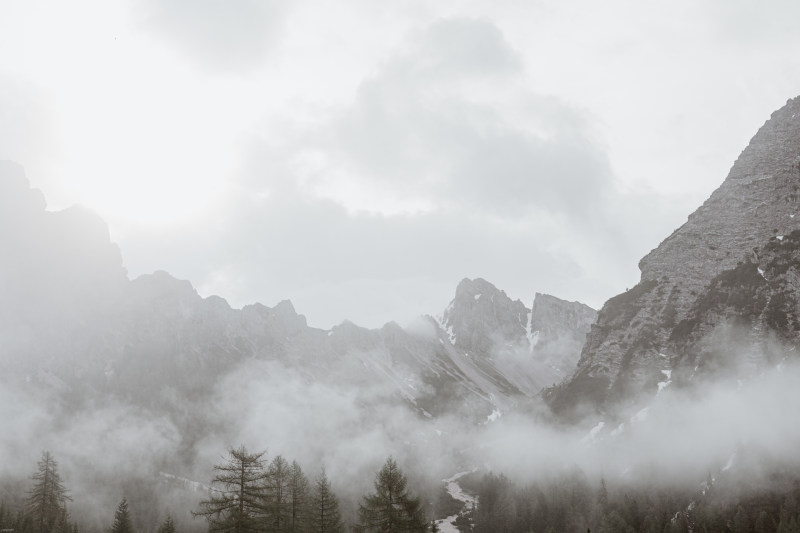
x,y
391,508
236,505
122,519
48,497
325,516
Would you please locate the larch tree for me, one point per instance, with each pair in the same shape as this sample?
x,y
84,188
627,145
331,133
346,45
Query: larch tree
x,y
298,499
236,504
277,496
391,509
325,516
47,500
122,519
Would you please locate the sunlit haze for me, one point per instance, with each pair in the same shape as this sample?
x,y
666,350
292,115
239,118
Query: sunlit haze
x,y
269,150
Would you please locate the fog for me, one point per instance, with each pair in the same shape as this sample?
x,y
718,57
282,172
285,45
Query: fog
x,y
138,388
742,426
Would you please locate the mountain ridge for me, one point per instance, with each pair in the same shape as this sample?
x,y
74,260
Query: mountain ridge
x,y
632,342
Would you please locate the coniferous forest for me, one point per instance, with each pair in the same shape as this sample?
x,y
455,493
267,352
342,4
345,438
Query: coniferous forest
x,y
250,493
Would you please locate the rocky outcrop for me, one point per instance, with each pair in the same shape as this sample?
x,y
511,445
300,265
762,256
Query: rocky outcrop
x,y
558,331
629,347
482,316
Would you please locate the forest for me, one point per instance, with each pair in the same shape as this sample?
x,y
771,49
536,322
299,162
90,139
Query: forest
x,y
250,494
247,494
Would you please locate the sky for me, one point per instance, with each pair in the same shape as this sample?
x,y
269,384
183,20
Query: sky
x,y
360,158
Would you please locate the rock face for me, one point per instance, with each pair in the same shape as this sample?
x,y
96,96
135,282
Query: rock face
x,y
482,316
634,339
528,349
558,331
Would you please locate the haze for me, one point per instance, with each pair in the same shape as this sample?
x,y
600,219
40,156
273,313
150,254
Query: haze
x,y
361,160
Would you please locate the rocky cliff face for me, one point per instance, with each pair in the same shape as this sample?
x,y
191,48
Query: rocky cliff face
x,y
633,341
558,331
528,349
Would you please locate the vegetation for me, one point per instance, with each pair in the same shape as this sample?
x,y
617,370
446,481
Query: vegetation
x,y
47,500
571,504
122,519
250,494
391,509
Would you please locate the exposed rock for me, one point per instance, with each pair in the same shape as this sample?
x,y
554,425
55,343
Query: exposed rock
x,y
481,316
628,348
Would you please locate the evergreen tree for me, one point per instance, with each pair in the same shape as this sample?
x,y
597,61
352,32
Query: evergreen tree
x,y
763,523
298,498
122,519
277,496
741,522
391,508
237,505
48,497
325,516
168,526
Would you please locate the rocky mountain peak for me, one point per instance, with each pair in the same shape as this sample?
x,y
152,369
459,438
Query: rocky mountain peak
x,y
758,200
481,315
634,342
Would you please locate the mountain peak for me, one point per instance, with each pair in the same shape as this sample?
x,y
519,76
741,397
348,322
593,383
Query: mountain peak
x,y
481,315
629,350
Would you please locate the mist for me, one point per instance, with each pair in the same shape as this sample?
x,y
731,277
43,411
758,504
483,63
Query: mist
x,y
741,427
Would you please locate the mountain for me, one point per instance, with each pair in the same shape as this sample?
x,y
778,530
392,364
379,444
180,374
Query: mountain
x,y
703,283
73,322
137,382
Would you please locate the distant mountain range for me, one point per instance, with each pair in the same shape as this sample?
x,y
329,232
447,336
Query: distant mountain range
x,y
73,322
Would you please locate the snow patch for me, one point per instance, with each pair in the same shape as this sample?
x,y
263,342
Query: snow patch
x,y
761,271
477,296
457,493
494,416
592,436
730,462
779,237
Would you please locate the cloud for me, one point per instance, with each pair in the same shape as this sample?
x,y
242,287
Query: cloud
x,y
26,122
443,123
228,36
444,164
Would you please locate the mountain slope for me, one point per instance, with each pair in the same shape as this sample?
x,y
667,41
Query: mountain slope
x,y
634,340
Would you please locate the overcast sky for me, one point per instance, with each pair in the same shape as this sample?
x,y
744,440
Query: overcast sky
x,y
362,157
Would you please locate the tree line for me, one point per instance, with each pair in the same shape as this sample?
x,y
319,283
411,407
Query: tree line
x,y
248,494
251,496
45,508
571,504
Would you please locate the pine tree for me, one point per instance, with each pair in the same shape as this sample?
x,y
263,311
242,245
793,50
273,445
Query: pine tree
x,y
277,496
168,526
48,497
325,516
122,519
391,509
237,505
299,498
